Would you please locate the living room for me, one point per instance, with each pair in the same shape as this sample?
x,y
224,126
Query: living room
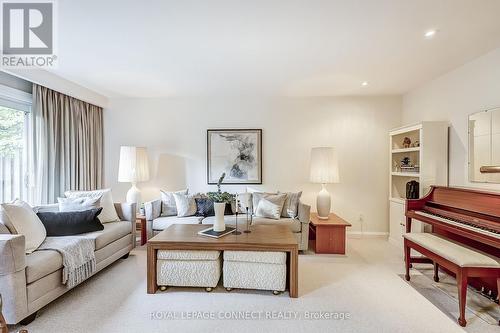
x,y
250,166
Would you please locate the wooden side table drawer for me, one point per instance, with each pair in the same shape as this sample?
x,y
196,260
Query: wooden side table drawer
x,y
328,236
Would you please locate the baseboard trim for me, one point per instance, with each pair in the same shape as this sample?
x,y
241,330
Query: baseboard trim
x,y
367,234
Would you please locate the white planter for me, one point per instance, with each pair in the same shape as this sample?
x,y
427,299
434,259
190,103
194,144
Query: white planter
x,y
219,208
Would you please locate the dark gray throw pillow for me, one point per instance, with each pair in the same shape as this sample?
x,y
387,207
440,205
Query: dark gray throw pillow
x,y
71,223
204,207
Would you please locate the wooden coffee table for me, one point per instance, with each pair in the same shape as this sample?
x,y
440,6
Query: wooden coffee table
x,y
262,238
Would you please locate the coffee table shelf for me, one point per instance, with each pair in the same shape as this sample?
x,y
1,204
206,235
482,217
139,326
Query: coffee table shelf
x,y
262,238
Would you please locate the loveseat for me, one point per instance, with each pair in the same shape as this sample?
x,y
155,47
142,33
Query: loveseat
x,y
298,225
30,281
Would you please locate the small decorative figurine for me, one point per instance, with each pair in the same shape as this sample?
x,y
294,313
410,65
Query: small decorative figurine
x,y
405,162
406,142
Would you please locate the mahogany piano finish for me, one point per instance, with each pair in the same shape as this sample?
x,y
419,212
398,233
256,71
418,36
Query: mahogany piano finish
x,y
466,216
328,236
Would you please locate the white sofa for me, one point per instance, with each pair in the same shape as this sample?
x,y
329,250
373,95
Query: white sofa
x,y
28,282
299,225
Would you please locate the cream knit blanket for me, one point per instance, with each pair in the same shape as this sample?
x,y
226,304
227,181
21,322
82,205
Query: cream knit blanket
x,y
79,261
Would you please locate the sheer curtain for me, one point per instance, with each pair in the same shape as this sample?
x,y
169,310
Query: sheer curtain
x,y
67,143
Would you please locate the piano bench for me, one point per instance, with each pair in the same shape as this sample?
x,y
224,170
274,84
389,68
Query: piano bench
x,y
465,262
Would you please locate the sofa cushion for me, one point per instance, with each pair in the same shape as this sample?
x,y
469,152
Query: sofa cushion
x,y
293,224
204,207
168,206
291,205
4,229
187,255
108,207
78,204
42,263
21,219
164,222
71,223
269,209
267,257
112,232
186,205
256,196
228,219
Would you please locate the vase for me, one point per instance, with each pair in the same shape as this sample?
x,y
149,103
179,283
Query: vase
x,y
219,208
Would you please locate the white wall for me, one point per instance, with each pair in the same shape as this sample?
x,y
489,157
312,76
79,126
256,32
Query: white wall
x,y
174,130
470,88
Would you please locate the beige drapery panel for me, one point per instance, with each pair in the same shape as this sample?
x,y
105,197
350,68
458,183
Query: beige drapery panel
x,y
67,143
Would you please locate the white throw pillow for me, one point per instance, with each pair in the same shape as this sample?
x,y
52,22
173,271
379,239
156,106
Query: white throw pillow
x,y
108,213
168,206
291,205
186,205
273,197
25,222
268,209
78,204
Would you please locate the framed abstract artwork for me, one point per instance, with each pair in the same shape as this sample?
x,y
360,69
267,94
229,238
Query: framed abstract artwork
x,y
235,152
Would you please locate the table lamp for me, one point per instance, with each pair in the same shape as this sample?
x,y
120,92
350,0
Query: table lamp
x,y
133,168
324,170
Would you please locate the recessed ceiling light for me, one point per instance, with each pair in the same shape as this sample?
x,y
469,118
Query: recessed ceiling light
x,y
364,84
430,33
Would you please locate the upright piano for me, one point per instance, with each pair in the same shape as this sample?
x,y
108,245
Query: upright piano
x,y
470,217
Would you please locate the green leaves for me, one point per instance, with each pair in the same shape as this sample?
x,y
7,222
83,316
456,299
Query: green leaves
x,y
221,197
11,131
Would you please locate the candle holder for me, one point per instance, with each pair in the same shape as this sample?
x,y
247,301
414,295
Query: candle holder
x,y
247,231
236,232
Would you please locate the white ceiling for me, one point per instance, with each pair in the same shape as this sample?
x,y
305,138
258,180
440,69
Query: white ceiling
x,y
298,48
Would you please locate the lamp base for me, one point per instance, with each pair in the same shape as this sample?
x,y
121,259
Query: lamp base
x,y
323,203
134,195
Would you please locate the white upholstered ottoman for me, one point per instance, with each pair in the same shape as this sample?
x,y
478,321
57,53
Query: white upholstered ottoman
x,y
255,270
182,268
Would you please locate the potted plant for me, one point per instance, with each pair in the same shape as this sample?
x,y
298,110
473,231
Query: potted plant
x,y
220,200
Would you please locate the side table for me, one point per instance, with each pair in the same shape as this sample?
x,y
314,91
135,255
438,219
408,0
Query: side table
x,y
328,236
141,225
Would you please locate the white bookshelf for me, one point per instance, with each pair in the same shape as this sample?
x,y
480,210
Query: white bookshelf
x,y
431,155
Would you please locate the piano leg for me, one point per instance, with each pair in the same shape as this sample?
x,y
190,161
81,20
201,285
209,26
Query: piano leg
x,y
407,260
462,295
436,272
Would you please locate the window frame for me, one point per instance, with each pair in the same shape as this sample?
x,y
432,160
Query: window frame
x,y
22,101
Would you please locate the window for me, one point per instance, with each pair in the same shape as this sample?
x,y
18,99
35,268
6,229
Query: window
x,y
15,107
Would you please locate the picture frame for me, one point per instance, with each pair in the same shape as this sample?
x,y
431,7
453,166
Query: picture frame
x,y
235,152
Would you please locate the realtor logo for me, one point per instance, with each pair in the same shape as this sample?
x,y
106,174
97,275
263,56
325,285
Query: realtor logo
x,y
28,34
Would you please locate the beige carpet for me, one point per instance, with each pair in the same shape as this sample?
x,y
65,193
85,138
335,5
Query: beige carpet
x,y
365,285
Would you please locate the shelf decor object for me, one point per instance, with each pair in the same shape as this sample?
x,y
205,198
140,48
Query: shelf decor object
x,y
418,155
133,168
324,170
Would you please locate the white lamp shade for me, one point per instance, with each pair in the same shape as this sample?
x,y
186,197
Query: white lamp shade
x,y
134,165
324,165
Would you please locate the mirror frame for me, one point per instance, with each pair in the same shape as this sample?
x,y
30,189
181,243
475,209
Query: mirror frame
x,y
487,168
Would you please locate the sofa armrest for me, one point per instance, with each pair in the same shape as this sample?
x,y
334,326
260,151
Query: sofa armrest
x,y
12,253
152,209
126,211
13,278
304,213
